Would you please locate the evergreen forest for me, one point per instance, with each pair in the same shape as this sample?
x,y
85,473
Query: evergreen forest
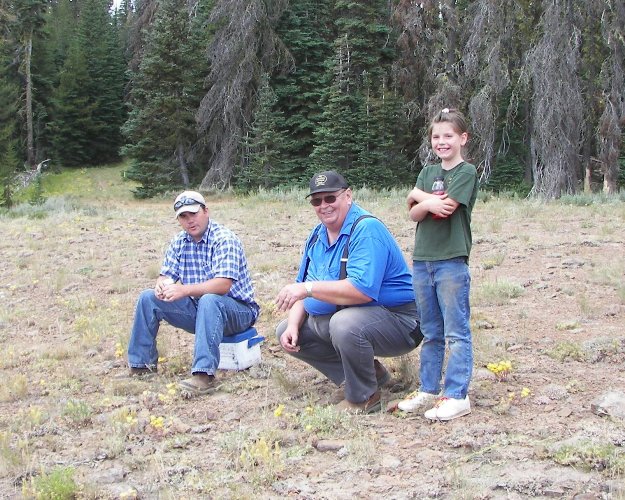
x,y
258,94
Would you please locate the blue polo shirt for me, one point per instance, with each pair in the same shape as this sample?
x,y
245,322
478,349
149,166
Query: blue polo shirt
x,y
375,263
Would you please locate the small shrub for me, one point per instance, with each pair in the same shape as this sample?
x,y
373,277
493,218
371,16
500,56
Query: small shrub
x,y
262,460
567,350
568,325
77,412
497,293
59,484
323,420
493,261
15,388
589,455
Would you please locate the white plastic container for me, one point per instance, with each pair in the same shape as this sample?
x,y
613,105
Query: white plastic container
x,y
240,351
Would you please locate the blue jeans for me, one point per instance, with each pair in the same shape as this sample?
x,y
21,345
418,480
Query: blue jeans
x,y
213,317
442,295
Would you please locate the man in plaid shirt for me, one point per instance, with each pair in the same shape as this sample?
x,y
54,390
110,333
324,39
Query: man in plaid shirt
x,y
204,288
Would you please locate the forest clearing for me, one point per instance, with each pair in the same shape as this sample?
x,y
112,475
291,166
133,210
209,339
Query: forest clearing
x,y
548,316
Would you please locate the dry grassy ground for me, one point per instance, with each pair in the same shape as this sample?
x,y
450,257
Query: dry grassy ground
x,y
548,296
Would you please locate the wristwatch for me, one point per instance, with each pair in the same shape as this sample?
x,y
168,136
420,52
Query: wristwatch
x,y
308,285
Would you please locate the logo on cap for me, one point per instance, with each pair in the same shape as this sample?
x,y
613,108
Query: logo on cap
x,y
321,180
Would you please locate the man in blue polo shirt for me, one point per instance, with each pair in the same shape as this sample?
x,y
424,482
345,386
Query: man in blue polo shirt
x,y
338,324
204,288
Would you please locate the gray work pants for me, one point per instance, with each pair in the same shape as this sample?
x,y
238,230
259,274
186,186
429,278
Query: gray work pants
x,y
342,345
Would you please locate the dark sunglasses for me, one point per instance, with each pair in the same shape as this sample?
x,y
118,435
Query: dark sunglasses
x,y
329,199
185,202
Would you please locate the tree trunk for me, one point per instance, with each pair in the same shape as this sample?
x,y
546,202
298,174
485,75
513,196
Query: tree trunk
x,y
182,165
30,141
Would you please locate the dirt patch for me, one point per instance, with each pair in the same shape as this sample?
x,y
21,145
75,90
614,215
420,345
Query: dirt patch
x,y
548,295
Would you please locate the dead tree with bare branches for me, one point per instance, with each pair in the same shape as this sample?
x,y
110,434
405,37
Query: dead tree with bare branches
x,y
244,47
610,130
557,104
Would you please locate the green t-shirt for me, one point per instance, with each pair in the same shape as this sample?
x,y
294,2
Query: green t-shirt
x,y
441,239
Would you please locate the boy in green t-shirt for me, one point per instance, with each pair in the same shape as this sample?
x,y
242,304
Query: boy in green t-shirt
x,y
440,275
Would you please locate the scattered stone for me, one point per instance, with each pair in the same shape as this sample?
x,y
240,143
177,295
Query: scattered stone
x,y
110,476
484,374
555,392
589,243
482,324
564,412
200,429
342,453
551,266
612,310
515,347
554,492
70,288
123,491
391,462
179,426
572,263
329,445
611,404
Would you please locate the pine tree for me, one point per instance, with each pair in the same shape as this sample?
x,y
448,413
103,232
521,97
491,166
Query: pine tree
x,y
9,160
29,22
106,69
166,92
305,29
72,125
357,132
264,163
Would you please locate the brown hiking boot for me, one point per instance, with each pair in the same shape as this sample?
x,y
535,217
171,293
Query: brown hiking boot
x,y
372,405
382,375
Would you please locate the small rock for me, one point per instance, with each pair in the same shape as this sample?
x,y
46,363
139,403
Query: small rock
x,y
200,429
610,404
515,347
329,445
555,392
554,492
484,374
390,461
564,412
572,263
483,325
110,476
612,310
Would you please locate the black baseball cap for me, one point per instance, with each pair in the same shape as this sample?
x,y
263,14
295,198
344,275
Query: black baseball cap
x,y
326,182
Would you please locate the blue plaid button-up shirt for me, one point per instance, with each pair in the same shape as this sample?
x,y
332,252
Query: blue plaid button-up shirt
x,y
219,254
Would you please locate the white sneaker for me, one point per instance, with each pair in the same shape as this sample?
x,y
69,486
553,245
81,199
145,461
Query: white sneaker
x,y
416,400
449,408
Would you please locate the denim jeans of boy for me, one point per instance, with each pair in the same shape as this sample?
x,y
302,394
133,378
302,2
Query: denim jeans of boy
x,y
212,318
442,295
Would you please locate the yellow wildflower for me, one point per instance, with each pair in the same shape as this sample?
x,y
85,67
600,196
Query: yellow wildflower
x,y
278,411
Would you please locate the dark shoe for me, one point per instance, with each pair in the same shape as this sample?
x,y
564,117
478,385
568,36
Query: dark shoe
x,y
142,372
197,386
382,375
372,405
